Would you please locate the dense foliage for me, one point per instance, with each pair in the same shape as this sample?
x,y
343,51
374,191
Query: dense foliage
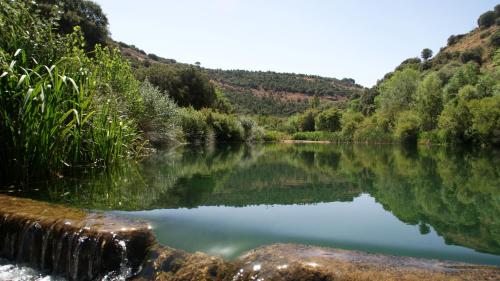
x,y
187,85
83,13
60,108
286,82
451,98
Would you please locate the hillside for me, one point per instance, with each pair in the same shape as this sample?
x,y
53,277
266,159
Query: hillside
x,y
252,92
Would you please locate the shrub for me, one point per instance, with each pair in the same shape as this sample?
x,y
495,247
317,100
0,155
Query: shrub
x,y
160,121
273,136
373,129
226,128
453,39
474,54
307,121
187,85
495,39
328,120
293,124
430,137
194,126
487,19
454,123
407,127
485,115
251,131
318,136
351,120
468,92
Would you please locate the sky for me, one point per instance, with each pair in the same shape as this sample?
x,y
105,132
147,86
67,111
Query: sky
x,y
359,39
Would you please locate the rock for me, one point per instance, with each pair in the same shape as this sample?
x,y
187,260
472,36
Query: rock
x,y
71,243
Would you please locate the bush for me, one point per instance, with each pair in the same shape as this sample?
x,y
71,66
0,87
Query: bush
x,y
407,127
487,19
474,54
495,39
430,137
273,136
187,85
226,128
467,93
351,120
159,121
194,126
485,115
328,120
307,121
373,129
454,123
453,39
318,136
251,131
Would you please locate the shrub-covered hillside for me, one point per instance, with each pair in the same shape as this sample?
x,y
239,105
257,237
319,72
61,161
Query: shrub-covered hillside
x,y
259,92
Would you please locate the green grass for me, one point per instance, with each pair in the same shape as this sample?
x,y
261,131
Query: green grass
x,y
318,136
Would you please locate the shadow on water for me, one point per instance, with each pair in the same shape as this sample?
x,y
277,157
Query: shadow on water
x,y
454,192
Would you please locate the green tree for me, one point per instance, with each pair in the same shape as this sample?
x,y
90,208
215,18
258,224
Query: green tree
x,y
328,120
487,19
455,122
187,85
486,119
397,93
465,75
429,101
407,126
307,121
351,121
426,54
86,14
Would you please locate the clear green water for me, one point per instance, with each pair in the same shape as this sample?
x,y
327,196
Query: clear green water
x,y
425,202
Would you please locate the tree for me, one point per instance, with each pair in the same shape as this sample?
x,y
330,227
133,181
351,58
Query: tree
x,y
187,85
426,54
307,120
86,14
487,19
495,39
429,101
474,54
397,93
407,126
328,120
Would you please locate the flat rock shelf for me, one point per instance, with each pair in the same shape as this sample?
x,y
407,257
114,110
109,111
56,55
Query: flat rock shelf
x,y
80,245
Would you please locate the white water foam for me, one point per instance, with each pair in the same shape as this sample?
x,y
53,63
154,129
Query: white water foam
x,y
11,272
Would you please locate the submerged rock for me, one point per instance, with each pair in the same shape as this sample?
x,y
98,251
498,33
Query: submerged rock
x,y
71,243
298,262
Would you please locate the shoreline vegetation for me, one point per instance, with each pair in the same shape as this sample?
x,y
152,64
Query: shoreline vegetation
x,y
72,98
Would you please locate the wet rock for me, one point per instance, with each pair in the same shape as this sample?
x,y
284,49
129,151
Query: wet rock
x,y
167,264
71,243
298,262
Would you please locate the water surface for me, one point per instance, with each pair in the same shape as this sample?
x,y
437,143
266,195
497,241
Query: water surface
x,y
426,202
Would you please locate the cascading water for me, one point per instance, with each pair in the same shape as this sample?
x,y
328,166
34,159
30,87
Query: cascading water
x,y
81,246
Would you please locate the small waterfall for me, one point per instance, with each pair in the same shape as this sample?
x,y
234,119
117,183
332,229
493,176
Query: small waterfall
x,y
91,247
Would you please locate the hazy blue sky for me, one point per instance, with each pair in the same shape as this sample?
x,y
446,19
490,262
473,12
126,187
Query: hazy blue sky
x,y
350,38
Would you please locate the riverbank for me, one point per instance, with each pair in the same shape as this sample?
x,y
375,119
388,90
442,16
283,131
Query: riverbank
x,y
83,246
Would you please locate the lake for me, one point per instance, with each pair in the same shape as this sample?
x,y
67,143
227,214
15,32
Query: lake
x,y
431,202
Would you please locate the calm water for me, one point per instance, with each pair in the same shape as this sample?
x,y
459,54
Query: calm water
x,y
425,202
